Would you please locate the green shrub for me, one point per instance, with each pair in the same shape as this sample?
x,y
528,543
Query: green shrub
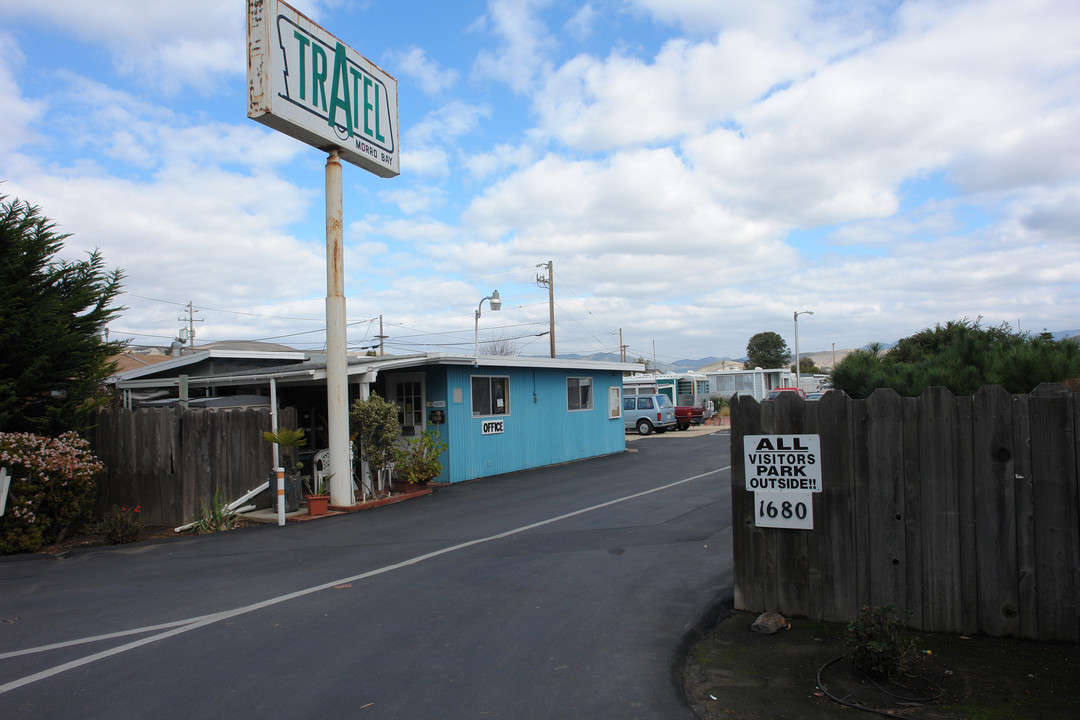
x,y
121,524
53,483
215,517
961,356
877,642
419,461
374,423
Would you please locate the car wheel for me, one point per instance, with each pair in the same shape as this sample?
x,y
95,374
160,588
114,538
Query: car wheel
x,y
644,427
684,426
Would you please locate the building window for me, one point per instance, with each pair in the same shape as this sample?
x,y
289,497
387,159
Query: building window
x,y
490,395
614,403
579,393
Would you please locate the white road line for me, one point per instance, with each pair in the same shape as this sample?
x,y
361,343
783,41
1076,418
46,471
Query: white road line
x,y
182,626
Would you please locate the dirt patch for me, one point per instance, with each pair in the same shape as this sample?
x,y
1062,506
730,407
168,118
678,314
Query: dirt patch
x,y
89,537
732,672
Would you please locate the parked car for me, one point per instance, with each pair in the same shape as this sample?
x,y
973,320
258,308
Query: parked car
x,y
777,392
687,415
818,394
648,412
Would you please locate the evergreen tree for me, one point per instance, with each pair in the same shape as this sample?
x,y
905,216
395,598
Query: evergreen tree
x,y
766,350
52,316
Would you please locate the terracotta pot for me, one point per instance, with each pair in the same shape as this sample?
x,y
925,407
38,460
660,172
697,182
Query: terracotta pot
x,y
317,504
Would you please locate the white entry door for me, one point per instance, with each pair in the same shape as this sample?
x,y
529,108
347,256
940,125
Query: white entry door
x,y
407,393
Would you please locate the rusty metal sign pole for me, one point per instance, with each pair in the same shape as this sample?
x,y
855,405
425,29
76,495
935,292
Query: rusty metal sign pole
x,y
337,387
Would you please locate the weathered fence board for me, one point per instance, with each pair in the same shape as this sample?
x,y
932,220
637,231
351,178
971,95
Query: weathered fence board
x,y
886,499
939,516
170,461
912,475
994,495
1057,532
833,556
1025,520
742,512
968,580
965,511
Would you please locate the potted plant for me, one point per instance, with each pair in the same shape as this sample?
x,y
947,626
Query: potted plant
x,y
318,499
289,440
418,462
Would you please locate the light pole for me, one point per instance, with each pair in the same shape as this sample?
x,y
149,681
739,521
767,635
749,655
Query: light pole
x,y
495,304
798,373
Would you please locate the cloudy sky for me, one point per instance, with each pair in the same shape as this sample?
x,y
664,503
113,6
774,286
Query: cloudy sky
x,y
696,170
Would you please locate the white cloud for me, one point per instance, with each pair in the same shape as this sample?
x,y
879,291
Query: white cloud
x,y
838,144
414,63
524,44
633,212
417,199
447,123
580,25
426,162
500,158
686,89
19,113
191,46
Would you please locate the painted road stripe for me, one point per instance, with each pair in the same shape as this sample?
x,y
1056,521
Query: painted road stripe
x,y
182,626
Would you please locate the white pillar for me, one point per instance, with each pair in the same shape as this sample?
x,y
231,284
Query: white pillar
x,y
337,389
274,451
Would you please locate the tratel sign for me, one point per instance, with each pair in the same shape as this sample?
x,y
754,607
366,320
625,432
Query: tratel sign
x,y
304,82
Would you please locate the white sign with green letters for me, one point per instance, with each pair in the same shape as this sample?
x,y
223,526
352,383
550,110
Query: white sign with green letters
x,y
306,83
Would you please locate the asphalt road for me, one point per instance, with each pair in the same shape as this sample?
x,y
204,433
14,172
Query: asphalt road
x,y
564,592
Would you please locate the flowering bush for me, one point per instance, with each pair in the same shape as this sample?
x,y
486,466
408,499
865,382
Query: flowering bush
x,y
52,486
121,524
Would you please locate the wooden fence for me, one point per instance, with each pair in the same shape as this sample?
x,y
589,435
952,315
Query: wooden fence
x,y
962,510
170,461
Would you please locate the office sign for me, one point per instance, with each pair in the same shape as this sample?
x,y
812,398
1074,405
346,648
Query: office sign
x,y
491,427
306,83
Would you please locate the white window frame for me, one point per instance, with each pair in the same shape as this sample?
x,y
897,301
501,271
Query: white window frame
x,y
614,403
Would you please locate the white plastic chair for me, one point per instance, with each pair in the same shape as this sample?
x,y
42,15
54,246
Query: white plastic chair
x,y
320,464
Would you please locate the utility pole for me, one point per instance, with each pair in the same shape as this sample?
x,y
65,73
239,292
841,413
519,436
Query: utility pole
x,y
382,347
191,320
622,348
549,283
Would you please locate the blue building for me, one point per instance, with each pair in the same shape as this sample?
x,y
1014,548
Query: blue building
x,y
506,413
497,414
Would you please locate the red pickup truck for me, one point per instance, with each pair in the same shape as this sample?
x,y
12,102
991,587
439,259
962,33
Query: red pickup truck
x,y
687,415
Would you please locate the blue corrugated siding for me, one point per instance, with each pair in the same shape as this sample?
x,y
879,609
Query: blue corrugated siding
x,y
538,430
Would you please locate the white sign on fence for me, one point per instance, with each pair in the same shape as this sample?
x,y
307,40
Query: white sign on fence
x,y
783,472
792,510
304,82
783,462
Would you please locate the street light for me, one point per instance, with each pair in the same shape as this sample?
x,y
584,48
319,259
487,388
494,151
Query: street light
x,y
495,304
798,373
